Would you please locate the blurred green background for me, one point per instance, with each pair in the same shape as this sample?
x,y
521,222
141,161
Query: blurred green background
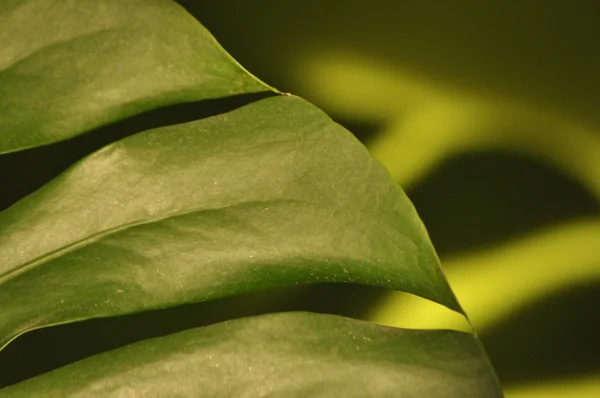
x,y
486,113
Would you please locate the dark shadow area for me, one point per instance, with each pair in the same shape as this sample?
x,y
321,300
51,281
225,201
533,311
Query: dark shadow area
x,y
483,198
557,337
540,52
42,350
23,172
364,130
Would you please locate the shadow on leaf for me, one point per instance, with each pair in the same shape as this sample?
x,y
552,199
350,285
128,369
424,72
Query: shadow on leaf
x,y
27,170
46,349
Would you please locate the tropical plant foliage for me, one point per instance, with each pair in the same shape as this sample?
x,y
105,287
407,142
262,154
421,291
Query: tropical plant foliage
x,y
486,115
265,195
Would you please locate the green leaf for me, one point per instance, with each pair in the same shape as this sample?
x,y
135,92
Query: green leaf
x,y
271,194
70,66
266,356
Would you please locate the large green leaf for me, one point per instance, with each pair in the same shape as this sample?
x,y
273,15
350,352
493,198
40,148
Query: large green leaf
x,y
69,66
266,357
271,194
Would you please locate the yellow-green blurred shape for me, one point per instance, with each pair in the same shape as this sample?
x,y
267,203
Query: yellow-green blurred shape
x,y
412,146
358,86
495,282
584,387
404,310
429,121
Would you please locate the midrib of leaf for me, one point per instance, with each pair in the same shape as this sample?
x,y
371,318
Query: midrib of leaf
x,y
73,246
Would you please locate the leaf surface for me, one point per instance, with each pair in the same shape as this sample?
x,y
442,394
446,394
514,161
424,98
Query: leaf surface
x,y
271,194
265,356
70,66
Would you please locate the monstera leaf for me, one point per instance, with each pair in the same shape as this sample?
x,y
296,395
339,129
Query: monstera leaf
x,y
270,194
